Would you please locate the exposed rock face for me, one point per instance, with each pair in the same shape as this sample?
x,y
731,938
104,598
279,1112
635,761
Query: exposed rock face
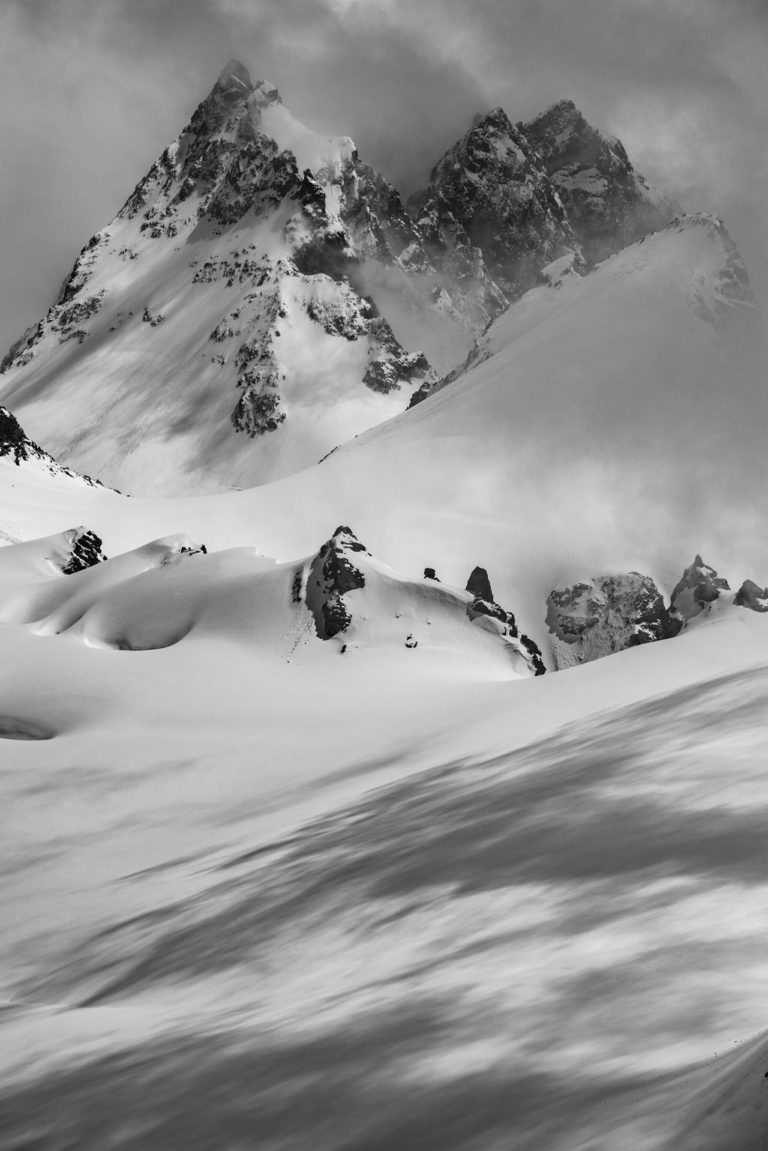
x,y
479,585
273,224
513,206
607,203
85,551
490,211
15,444
332,574
240,162
606,615
483,606
752,596
221,159
392,366
535,656
697,589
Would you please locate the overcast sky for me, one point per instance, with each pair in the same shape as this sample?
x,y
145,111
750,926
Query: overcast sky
x,y
92,90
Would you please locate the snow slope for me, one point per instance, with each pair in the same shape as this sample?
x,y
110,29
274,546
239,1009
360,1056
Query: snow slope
x,y
544,941
607,425
263,888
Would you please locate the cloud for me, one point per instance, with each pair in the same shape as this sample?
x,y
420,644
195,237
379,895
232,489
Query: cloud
x,y
90,94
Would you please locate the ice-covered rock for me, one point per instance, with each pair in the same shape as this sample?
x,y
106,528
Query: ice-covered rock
x,y
696,590
557,273
723,288
593,619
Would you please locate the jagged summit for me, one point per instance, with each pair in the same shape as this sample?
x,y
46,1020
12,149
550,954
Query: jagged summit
x,y
558,108
262,279
495,119
608,203
491,211
226,297
235,72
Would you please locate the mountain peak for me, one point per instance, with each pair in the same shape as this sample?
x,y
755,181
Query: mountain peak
x,y
490,193
608,203
560,108
494,118
235,74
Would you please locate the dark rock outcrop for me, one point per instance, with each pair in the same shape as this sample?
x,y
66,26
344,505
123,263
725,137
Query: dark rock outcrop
x,y
490,215
479,585
85,551
607,203
696,590
752,596
484,605
332,574
16,444
536,659
13,441
606,615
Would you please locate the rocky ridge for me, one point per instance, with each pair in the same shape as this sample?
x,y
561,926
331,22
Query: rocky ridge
x,y
595,618
243,161
356,601
16,445
264,224
484,608
490,216
607,203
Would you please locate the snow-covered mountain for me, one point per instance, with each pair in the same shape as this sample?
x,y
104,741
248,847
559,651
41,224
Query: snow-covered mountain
x,y
219,300
297,817
263,295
